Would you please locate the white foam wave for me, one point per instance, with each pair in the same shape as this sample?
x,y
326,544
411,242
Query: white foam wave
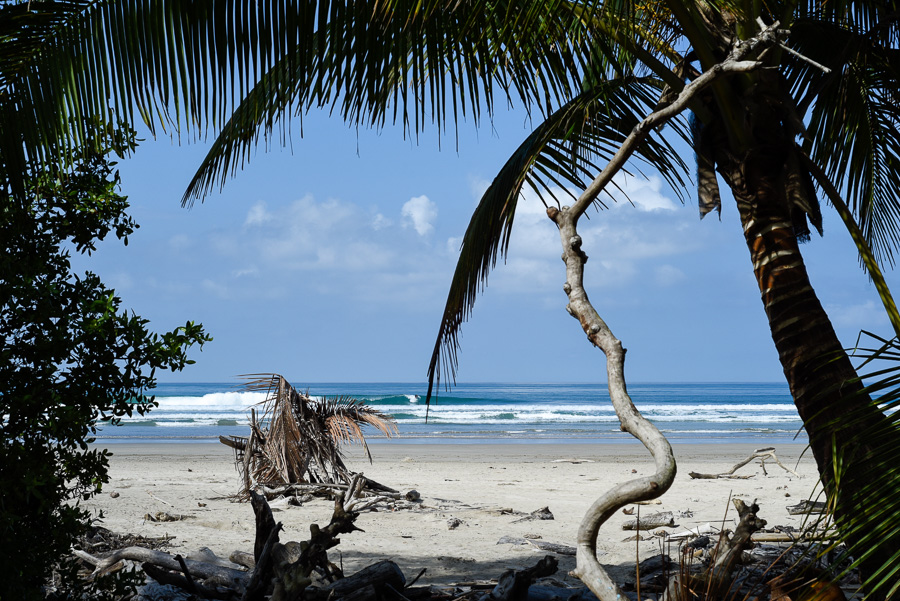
x,y
242,400
210,408
504,414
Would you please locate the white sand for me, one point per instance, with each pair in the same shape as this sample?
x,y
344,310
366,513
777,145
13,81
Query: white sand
x,y
468,482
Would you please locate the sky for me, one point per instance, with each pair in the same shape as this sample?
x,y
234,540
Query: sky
x,y
330,261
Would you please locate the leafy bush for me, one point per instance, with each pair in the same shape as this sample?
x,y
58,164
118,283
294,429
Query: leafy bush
x,y
70,358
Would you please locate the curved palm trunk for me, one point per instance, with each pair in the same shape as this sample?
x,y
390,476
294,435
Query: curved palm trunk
x,y
839,417
821,377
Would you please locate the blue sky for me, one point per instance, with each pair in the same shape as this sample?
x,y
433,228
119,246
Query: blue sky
x,y
330,262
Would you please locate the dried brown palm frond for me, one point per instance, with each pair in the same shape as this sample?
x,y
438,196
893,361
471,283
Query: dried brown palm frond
x,y
297,438
344,415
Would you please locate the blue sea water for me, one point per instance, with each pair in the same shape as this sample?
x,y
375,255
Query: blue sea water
x,y
760,413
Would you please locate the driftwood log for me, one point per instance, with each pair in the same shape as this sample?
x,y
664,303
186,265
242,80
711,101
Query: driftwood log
x,y
164,576
210,574
514,584
717,579
538,544
761,454
663,519
380,576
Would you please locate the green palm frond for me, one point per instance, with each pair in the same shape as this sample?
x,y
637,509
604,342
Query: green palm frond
x,y
853,111
25,32
26,29
179,64
869,519
562,151
376,62
187,65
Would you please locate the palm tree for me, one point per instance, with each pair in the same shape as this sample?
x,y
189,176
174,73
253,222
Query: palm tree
x,y
591,69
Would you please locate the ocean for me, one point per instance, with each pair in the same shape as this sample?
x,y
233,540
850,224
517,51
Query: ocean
x,y
761,413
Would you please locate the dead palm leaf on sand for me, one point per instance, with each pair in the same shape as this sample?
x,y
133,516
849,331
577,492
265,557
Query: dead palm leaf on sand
x,y
295,438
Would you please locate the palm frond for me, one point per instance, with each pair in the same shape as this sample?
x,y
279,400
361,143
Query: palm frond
x,y
180,64
404,62
298,438
868,520
562,151
185,66
853,111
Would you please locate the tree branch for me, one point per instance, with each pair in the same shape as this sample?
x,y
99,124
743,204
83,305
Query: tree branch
x,y
588,568
734,63
598,332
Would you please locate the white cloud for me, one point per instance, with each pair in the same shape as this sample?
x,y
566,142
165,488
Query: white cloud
x,y
668,275
239,273
625,243
862,316
644,193
454,244
179,242
216,289
331,246
380,222
420,213
257,215
120,281
478,186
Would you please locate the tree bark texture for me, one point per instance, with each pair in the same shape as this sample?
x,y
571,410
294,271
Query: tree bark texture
x,y
588,568
599,334
773,190
821,378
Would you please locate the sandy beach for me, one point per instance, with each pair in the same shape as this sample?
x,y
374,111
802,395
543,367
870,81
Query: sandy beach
x,y
474,483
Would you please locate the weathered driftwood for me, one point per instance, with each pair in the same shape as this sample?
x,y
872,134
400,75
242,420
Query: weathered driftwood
x,y
206,555
717,579
538,592
538,544
379,576
243,558
792,537
513,584
265,523
694,532
261,578
198,569
329,489
295,575
761,454
805,507
663,519
164,576
543,513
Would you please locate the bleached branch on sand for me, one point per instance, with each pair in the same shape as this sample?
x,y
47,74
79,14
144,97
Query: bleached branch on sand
x,y
761,454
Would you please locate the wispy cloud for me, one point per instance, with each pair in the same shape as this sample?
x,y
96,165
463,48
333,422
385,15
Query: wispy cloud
x,y
419,213
862,316
327,246
625,242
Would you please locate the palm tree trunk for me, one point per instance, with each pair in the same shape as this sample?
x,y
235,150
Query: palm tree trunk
x,y
821,378
845,428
